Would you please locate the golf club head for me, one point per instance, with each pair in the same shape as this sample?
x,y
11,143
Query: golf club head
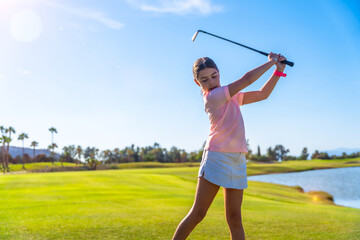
x,y
195,35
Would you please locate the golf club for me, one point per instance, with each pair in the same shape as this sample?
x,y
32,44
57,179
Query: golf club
x,y
261,52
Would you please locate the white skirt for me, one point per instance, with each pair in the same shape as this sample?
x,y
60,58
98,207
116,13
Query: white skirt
x,y
224,169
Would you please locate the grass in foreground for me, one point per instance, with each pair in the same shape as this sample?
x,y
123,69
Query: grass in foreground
x,y
149,203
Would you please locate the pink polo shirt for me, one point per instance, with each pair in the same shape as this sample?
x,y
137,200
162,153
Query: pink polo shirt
x,y
227,132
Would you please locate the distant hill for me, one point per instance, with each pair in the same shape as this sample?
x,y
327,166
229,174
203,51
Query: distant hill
x,y
17,151
339,151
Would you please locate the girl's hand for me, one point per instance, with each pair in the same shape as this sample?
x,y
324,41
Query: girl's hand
x,y
280,66
272,57
277,58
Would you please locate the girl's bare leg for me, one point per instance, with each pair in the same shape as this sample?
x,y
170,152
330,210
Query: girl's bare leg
x,y
205,193
233,201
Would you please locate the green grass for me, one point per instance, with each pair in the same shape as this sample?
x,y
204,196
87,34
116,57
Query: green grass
x,y
149,204
37,166
156,165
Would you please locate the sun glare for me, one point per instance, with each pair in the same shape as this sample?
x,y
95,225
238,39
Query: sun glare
x,y
26,26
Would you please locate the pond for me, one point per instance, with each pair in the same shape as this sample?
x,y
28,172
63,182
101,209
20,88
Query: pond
x,y
342,183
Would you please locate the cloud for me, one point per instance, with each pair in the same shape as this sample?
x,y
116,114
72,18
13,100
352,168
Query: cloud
x,y
97,16
204,7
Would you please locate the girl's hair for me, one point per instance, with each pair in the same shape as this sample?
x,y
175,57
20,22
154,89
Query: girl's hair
x,y
202,63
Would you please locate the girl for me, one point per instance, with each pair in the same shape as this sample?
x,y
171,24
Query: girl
x,y
224,163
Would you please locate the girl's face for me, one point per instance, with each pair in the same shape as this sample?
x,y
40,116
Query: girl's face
x,y
209,79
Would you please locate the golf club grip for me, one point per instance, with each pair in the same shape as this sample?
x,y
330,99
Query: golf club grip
x,y
291,64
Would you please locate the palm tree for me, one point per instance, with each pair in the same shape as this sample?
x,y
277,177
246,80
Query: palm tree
x,y
2,130
52,130
92,156
72,152
66,155
107,154
2,158
51,148
22,137
79,152
9,130
117,154
6,140
34,145
97,153
69,153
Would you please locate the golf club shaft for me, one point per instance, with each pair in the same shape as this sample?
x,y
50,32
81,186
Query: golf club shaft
x,y
261,52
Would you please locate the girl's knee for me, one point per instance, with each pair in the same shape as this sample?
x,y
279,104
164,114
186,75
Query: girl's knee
x,y
198,215
234,220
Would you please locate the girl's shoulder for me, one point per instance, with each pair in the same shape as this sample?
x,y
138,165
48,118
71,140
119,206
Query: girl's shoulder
x,y
217,96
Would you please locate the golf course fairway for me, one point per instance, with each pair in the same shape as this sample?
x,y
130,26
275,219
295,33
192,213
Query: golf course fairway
x,y
149,203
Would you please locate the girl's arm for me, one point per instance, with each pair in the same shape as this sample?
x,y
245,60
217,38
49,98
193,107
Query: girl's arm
x,y
265,91
252,76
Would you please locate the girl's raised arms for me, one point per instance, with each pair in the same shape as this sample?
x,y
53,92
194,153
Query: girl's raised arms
x,y
253,75
265,91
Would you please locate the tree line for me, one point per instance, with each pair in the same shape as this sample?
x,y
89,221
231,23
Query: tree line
x,y
92,156
5,140
280,153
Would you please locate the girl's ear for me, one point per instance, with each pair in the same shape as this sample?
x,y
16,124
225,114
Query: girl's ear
x,y
197,82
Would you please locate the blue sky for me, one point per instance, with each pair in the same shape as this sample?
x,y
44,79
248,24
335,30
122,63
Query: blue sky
x,y
115,73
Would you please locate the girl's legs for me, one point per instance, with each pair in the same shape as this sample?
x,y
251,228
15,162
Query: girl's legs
x,y
205,193
233,200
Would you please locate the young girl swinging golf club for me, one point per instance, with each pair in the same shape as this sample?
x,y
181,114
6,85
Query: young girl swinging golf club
x,y
223,162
